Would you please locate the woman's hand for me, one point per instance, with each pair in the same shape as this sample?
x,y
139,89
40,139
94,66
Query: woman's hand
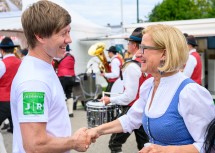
x,y
153,148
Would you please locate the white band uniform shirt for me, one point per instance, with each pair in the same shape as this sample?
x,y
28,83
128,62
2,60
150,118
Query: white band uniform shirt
x,y
131,75
197,110
115,68
2,65
37,96
190,65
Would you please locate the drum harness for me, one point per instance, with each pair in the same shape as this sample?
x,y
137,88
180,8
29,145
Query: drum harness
x,y
123,109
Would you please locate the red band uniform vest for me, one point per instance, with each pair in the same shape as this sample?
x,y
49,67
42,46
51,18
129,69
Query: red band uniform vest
x,y
114,79
197,73
67,66
12,64
141,80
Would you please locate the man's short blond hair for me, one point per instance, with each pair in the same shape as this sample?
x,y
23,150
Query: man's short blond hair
x,y
173,41
43,18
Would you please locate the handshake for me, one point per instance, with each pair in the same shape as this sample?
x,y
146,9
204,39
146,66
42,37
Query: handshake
x,y
83,137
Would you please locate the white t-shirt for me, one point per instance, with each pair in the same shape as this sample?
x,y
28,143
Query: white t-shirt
x,y
37,96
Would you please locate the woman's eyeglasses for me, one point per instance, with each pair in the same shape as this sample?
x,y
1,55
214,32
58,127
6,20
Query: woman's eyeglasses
x,y
142,47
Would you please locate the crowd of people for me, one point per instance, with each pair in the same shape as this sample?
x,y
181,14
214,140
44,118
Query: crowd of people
x,y
163,101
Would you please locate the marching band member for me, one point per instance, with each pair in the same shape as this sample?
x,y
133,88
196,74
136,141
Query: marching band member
x,y
8,69
193,67
132,79
115,65
66,74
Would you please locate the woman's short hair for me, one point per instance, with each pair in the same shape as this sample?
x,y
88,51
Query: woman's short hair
x,y
173,41
43,18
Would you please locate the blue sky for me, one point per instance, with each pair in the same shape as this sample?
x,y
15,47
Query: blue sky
x,y
109,11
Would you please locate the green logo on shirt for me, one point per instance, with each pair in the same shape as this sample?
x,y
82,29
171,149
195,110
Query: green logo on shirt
x,y
33,103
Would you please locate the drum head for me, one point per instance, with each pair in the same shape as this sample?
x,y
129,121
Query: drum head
x,y
97,104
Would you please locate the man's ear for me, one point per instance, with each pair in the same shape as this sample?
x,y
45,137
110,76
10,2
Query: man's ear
x,y
39,38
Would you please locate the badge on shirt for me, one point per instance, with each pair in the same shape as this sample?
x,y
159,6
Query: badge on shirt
x,y
33,103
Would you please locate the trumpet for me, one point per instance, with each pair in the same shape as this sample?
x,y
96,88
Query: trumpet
x,y
98,50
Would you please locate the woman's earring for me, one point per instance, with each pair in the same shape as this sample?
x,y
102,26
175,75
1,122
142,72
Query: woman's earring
x,y
162,62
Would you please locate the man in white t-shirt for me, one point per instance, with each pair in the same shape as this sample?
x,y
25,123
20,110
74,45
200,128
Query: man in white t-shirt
x,y
39,112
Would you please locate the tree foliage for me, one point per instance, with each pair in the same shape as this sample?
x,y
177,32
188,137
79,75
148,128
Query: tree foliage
x,y
170,10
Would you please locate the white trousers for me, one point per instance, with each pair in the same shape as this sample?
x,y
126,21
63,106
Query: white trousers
x,y
69,103
2,147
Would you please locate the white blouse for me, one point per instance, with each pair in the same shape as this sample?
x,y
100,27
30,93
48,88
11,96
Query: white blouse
x,y
195,105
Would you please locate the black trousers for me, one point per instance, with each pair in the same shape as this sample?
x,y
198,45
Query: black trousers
x,y
67,84
116,140
5,113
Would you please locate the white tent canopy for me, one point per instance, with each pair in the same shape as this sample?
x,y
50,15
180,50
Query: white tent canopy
x,y
10,25
197,27
11,21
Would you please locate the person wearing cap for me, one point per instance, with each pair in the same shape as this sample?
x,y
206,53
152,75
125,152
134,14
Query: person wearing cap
x,y
132,80
8,68
193,67
40,116
173,109
115,66
66,74
23,52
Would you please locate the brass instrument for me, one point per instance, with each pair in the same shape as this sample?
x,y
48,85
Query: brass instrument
x,y
16,53
98,50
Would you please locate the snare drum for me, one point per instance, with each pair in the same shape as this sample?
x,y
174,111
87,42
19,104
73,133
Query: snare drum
x,y
98,113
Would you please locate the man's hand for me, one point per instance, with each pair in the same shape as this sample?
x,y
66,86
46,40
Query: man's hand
x,y
105,100
81,140
93,134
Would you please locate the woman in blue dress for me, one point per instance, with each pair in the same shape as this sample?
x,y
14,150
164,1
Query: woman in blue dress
x,y
173,109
